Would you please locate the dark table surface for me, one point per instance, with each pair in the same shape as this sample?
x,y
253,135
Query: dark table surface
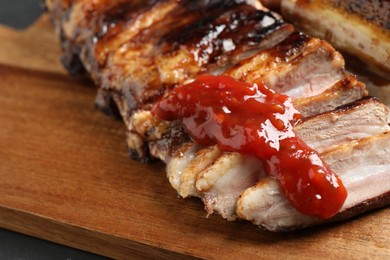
x,y
19,14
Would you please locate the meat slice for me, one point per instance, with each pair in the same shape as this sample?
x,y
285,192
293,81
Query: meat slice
x,y
300,66
225,178
360,119
360,28
364,168
221,184
178,163
343,92
203,159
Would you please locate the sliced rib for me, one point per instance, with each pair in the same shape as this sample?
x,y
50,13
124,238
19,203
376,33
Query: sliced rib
x,y
360,119
221,184
364,168
227,177
343,92
300,66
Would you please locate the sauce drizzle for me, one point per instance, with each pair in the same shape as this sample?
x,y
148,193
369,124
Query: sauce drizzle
x,y
253,119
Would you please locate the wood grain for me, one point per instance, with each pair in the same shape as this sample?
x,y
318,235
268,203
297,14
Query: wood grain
x,y
65,177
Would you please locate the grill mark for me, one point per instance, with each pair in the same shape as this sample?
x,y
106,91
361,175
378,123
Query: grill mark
x,y
121,13
292,44
220,31
290,48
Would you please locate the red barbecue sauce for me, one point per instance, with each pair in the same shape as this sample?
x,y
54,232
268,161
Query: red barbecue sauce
x,y
252,119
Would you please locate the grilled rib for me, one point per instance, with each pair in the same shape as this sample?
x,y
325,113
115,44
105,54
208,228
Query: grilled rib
x,y
136,51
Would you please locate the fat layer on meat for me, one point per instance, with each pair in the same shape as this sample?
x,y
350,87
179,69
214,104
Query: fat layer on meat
x,y
360,28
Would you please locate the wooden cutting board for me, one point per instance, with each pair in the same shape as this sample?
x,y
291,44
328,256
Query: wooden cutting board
x,y
65,177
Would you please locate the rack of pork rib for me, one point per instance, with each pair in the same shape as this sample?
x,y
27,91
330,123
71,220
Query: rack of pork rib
x,y
137,51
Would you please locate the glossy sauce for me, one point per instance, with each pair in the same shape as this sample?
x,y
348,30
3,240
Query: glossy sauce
x,y
255,120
